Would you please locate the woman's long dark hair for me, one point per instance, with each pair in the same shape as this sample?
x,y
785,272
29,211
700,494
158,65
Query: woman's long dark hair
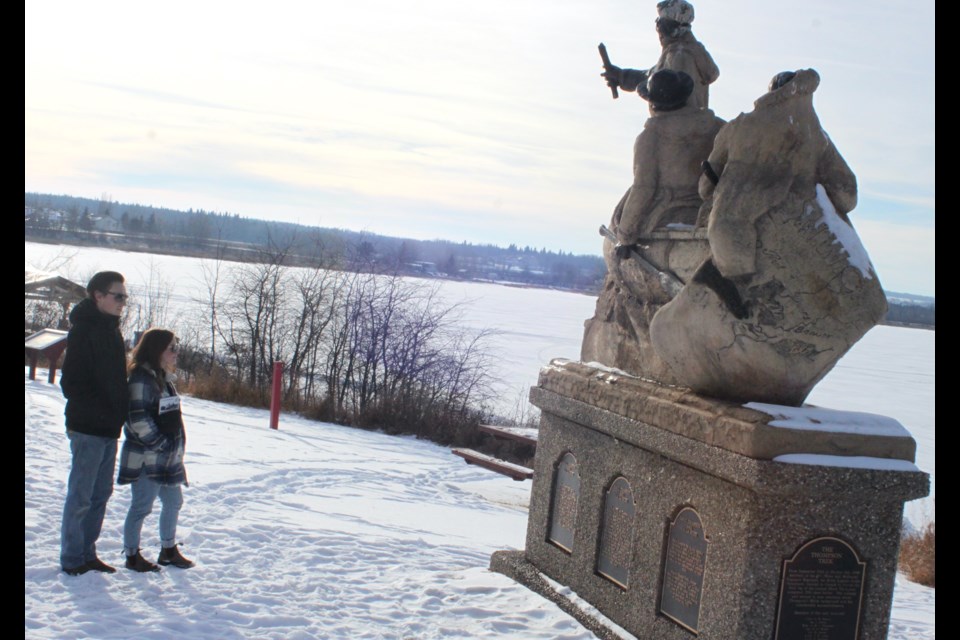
x,y
149,350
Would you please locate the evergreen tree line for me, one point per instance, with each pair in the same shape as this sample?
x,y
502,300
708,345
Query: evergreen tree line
x,y
904,313
196,232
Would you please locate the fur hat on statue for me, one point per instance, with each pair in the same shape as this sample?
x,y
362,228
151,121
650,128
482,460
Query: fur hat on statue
x,y
667,90
679,11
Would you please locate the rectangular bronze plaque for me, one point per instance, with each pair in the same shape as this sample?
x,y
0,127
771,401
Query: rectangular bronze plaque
x,y
821,592
683,570
616,541
563,510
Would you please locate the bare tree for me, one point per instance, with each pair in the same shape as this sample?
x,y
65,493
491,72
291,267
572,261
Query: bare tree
x,y
61,262
150,305
212,272
365,348
315,297
257,311
397,353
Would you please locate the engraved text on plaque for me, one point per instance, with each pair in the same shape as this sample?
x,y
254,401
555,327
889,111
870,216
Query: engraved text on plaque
x,y
683,569
821,591
563,510
616,541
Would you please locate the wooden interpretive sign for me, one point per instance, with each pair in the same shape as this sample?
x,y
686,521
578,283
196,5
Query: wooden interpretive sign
x,y
821,592
683,568
616,540
563,509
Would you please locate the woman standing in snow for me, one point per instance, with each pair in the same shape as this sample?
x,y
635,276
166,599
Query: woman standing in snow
x,y
151,460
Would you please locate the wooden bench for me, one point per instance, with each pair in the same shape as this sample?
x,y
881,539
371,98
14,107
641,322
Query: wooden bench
x,y
515,471
525,435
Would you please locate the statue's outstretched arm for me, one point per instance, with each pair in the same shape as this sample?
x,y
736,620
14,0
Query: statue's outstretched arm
x,y
630,79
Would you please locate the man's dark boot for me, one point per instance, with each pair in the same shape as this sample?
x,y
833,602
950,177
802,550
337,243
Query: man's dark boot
x,y
99,565
76,571
137,562
171,555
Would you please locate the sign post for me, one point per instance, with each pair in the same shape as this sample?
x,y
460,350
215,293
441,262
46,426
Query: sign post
x,y
275,395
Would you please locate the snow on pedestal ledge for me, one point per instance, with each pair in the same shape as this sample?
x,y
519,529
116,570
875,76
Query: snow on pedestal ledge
x,y
853,462
809,418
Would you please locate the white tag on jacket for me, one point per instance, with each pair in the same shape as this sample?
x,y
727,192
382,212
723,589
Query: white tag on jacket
x,y
170,403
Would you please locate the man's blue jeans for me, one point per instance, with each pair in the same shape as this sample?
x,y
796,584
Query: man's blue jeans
x,y
89,486
144,493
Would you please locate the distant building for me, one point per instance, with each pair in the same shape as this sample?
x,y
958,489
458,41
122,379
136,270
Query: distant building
x,y
43,217
106,223
423,268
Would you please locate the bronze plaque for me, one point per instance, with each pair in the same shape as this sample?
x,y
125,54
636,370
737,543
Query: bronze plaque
x,y
821,592
563,510
683,569
616,540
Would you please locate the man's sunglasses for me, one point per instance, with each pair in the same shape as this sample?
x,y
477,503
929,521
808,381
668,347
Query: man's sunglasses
x,y
119,297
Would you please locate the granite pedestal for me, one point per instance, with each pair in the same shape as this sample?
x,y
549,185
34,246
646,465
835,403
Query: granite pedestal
x,y
680,516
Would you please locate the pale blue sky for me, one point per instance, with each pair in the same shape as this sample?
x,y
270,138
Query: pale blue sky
x,y
485,122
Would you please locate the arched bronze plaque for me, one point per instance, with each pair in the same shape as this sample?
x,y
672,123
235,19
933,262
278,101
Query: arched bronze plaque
x,y
683,568
616,539
821,592
563,509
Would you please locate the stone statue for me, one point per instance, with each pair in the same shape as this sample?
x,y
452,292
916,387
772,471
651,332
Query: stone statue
x,y
668,153
681,52
788,288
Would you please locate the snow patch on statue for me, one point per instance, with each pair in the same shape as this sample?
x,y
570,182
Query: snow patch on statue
x,y
845,234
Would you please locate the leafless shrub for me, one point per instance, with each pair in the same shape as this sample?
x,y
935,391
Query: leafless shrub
x,y
220,385
371,350
149,305
917,555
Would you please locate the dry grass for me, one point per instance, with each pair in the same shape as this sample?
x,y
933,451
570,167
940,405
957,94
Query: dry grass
x,y
220,387
917,555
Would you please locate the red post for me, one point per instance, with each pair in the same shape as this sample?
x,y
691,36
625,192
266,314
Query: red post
x,y
275,395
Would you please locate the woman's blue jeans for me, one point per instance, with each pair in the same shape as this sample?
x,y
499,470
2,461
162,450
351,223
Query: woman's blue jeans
x,y
144,494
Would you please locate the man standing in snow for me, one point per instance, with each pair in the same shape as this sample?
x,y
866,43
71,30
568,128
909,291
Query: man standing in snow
x,y
94,382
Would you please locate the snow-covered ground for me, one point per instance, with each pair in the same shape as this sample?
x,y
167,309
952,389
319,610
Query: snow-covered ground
x,y
311,531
